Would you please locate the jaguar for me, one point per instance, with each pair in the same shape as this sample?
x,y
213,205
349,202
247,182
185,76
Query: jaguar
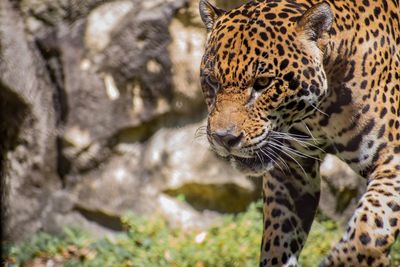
x,y
288,81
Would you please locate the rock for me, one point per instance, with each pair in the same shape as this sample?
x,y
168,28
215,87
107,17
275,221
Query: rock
x,y
340,189
172,163
142,36
111,75
116,187
108,104
51,12
182,165
102,20
187,42
55,12
181,215
27,128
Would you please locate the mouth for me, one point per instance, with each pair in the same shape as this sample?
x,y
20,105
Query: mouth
x,y
258,163
251,161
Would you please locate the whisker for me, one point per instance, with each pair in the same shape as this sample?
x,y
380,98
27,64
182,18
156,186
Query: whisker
x,y
308,129
260,158
292,139
201,129
301,137
287,154
200,136
311,145
301,141
294,151
277,157
316,108
266,154
200,132
291,134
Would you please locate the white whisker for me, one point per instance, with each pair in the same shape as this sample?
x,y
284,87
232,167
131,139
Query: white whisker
x,y
287,154
301,141
308,129
316,108
278,158
296,152
266,154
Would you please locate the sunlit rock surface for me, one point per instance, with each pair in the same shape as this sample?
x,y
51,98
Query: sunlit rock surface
x,y
185,166
340,189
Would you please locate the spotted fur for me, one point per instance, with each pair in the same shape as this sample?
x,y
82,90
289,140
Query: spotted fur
x,y
288,81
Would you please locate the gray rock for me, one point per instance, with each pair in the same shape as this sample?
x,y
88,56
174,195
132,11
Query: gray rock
x,y
116,187
111,75
121,88
27,128
181,215
183,165
139,178
54,12
340,189
101,22
137,56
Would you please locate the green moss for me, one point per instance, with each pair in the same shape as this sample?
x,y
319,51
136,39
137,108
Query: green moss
x,y
234,242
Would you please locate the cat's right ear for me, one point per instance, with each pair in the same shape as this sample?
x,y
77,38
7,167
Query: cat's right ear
x,y
209,14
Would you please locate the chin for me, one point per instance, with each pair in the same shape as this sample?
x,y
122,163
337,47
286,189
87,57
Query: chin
x,y
251,166
256,164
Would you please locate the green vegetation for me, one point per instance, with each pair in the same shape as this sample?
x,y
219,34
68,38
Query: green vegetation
x,y
235,242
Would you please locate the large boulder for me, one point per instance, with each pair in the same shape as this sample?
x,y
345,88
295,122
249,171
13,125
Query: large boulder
x,y
90,93
120,87
142,179
27,128
341,187
183,165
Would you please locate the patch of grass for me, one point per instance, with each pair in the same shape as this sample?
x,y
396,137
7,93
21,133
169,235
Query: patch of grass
x,y
396,253
44,246
322,237
149,242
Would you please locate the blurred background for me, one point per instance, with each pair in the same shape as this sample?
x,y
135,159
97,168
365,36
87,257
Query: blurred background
x,y
101,114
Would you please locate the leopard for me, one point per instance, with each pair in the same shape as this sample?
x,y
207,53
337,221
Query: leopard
x,y
288,81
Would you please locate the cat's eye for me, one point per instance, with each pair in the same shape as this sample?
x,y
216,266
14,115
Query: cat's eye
x,y
262,83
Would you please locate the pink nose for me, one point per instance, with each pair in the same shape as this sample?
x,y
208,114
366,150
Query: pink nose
x,y
227,139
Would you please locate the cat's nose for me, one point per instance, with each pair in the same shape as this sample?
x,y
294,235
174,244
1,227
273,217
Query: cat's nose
x,y
227,139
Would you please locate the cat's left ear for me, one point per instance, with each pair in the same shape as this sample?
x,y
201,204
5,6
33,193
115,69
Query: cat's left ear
x,y
316,22
209,14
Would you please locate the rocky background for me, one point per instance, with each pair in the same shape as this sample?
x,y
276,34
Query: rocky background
x,y
101,114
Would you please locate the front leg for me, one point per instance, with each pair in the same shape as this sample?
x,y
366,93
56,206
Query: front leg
x,y
291,197
376,222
